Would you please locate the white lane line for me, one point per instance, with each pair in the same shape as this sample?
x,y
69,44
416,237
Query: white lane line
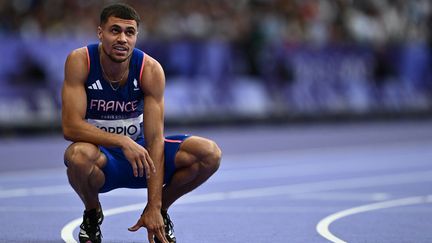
x,y
38,209
312,187
352,183
35,191
343,196
255,209
322,196
323,226
379,180
67,231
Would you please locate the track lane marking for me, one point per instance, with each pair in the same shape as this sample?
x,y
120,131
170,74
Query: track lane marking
x,y
364,182
323,225
378,180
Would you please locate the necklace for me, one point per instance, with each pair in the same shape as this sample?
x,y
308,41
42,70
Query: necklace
x,y
115,84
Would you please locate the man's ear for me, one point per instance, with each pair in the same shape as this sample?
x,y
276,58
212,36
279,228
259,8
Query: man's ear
x,y
99,33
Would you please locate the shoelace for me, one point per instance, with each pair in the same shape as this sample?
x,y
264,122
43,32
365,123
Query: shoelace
x,y
91,228
169,223
91,232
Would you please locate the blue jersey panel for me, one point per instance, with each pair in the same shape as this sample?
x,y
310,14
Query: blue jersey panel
x,y
115,110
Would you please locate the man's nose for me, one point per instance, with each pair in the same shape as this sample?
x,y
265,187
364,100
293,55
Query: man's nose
x,y
122,38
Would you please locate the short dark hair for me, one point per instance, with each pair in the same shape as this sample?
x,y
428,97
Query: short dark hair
x,y
119,10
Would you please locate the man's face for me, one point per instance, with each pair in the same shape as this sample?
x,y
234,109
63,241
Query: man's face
x,y
118,37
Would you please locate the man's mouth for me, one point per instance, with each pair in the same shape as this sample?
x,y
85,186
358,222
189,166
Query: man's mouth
x,y
120,48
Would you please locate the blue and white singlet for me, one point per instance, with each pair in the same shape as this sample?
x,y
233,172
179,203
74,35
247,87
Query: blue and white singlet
x,y
116,111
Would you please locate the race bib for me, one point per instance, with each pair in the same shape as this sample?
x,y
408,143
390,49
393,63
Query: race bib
x,y
129,127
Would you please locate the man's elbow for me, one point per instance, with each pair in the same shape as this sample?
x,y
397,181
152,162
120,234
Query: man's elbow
x,y
68,134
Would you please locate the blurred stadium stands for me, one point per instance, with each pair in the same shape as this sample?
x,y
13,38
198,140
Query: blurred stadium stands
x,y
228,61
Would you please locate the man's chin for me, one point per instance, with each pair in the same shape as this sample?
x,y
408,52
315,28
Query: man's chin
x,y
118,59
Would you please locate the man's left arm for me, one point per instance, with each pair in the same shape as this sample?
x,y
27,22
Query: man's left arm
x,y
153,85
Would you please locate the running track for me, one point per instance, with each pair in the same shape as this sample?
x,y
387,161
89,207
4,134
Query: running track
x,y
365,182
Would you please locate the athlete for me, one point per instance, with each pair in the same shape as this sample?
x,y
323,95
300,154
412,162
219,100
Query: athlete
x,y
113,112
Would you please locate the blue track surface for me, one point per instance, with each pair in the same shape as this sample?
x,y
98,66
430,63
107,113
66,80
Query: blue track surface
x,y
346,182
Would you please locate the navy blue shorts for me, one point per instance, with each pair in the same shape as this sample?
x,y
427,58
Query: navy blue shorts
x,y
119,173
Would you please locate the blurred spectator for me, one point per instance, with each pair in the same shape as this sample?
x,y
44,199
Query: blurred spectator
x,y
307,55
313,21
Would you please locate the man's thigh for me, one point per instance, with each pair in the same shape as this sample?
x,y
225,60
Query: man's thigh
x,y
119,173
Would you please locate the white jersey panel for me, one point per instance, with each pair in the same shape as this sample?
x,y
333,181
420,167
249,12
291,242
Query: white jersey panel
x,y
129,127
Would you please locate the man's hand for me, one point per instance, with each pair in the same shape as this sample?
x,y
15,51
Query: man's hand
x,y
153,221
138,157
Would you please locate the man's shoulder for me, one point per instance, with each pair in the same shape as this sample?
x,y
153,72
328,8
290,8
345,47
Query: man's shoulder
x,y
78,53
151,64
153,78
77,65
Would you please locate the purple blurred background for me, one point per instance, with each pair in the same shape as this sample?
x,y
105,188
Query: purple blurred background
x,y
230,61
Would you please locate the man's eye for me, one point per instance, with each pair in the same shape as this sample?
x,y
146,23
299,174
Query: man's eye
x,y
130,33
115,31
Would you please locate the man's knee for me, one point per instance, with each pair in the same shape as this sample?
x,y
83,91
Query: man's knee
x,y
212,156
81,154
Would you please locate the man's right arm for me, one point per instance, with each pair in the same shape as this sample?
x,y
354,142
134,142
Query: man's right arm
x,y
75,127
74,105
